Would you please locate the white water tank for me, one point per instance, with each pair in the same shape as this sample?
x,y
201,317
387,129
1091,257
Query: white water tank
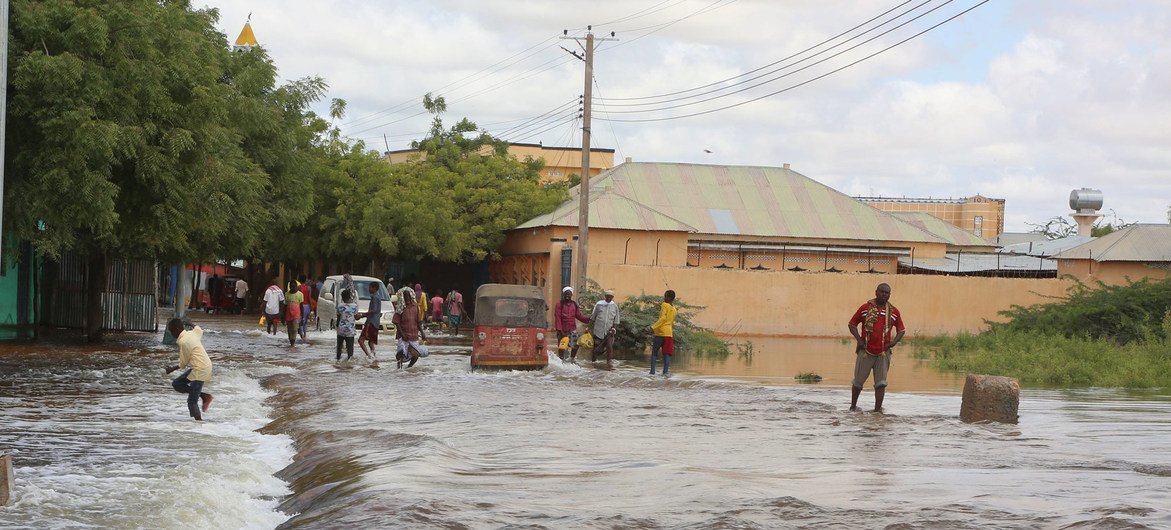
x,y
1085,200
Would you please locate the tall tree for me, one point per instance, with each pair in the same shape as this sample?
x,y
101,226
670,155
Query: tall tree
x,y
134,132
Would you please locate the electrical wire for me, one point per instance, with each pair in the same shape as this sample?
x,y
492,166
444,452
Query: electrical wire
x,y
527,121
786,89
815,46
779,77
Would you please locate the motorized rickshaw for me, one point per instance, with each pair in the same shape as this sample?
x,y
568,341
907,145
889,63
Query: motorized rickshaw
x,y
510,327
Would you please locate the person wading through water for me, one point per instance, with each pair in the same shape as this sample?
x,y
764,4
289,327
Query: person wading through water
x,y
566,315
872,351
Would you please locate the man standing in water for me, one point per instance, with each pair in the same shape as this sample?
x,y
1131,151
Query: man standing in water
x,y
872,351
605,318
565,317
455,309
194,358
410,330
664,336
369,338
273,296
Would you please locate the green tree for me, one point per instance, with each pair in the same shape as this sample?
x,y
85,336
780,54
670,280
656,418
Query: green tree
x,y
470,179
134,132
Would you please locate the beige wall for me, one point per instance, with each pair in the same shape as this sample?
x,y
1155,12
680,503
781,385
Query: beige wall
x,y
635,247
560,162
820,304
1112,272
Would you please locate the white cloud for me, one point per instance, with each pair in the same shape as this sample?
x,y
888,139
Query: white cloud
x,y
1020,101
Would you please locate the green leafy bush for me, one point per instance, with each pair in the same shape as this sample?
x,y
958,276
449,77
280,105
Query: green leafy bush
x,y
1111,336
639,312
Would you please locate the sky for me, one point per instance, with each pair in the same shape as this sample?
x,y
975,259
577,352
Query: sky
x,y
1020,100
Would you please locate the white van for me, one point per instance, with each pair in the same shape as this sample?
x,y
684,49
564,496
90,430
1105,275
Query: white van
x,y
331,295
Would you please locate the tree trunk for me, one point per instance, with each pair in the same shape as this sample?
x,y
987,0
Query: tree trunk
x,y
95,284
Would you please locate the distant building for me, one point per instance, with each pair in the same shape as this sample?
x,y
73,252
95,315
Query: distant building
x,y
716,217
1130,254
560,162
977,214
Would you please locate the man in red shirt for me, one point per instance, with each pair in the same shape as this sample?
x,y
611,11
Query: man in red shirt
x,y
565,316
876,318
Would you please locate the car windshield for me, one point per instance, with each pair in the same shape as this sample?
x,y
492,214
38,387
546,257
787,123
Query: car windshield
x,y
363,287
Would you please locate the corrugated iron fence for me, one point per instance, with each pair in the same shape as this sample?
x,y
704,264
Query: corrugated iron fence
x,y
128,301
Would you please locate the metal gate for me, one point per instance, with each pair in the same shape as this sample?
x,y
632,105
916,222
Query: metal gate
x,y
128,301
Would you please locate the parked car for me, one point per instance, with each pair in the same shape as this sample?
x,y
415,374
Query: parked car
x,y
510,327
330,297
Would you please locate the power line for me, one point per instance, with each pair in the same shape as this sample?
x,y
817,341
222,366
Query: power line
x,y
527,121
542,131
815,46
786,89
659,27
642,13
617,145
779,77
558,118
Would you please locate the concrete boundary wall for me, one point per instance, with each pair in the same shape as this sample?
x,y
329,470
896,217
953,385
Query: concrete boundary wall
x,y
820,304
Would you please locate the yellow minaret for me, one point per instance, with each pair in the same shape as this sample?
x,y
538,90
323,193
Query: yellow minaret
x,y
247,39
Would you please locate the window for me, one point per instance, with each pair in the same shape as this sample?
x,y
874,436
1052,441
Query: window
x,y
978,223
511,307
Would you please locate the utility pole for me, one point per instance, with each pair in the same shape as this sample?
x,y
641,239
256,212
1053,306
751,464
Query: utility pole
x,y
3,112
583,208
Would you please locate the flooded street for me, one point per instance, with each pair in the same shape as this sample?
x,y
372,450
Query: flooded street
x,y
294,439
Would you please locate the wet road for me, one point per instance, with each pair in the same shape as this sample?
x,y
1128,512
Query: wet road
x,y
100,439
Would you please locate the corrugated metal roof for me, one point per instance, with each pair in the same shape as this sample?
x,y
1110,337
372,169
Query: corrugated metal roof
x,y
953,234
609,209
1140,242
1047,247
968,263
760,201
1012,238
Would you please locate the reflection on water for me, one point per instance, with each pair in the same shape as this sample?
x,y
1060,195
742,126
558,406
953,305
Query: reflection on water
x,y
776,360
571,446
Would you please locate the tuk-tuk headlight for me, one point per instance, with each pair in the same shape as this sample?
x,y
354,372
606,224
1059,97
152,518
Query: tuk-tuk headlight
x,y
540,335
482,336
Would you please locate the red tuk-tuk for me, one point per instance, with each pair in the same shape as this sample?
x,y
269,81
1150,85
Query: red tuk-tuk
x,y
510,327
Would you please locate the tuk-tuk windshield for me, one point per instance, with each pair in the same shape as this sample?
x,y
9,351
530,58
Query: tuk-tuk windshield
x,y
511,312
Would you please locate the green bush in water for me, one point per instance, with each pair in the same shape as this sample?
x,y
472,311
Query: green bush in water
x,y
639,312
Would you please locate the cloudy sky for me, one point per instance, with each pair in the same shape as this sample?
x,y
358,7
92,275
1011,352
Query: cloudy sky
x,y
1023,100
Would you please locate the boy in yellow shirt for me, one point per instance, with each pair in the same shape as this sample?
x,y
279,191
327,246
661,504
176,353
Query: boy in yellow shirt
x,y
194,358
664,334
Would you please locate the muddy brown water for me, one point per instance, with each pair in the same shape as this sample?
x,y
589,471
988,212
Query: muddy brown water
x,y
296,440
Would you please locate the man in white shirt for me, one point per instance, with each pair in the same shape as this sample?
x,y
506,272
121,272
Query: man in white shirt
x,y
273,296
605,318
241,294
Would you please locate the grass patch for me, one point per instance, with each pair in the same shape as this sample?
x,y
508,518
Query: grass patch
x,y
1103,336
1051,360
807,377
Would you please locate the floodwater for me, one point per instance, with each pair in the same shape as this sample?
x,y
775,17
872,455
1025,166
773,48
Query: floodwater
x,y
295,440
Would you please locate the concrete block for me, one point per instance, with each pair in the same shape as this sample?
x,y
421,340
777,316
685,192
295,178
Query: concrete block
x,y
6,479
990,398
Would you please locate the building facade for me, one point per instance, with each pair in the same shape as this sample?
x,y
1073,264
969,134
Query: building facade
x,y
978,215
560,162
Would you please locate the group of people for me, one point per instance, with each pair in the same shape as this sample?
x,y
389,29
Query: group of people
x,y
604,322
871,326
294,305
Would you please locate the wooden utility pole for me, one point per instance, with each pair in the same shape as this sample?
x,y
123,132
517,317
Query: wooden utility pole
x,y
3,111
583,208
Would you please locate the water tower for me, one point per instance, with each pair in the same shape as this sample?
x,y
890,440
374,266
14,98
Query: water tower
x,y
1085,204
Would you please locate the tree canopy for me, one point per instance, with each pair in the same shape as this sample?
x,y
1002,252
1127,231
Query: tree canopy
x,y
135,132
